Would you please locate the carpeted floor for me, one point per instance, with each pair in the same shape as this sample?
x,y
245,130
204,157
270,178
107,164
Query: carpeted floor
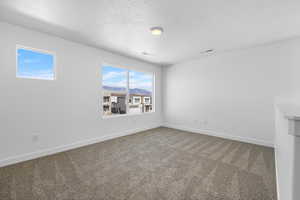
x,y
159,164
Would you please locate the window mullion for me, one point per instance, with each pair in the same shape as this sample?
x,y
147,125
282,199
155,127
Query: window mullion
x,y
127,92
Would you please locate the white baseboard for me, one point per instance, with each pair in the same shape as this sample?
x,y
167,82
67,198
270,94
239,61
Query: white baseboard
x,y
221,135
58,149
46,152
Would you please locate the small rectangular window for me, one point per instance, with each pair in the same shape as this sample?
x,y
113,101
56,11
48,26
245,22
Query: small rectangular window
x,y
35,64
126,91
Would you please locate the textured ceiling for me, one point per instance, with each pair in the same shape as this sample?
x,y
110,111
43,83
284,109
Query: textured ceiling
x,y
191,26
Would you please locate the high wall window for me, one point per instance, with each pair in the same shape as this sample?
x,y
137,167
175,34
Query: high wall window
x,y
35,64
126,91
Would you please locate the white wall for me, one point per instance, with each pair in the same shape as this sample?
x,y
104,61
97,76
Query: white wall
x,y
63,113
232,94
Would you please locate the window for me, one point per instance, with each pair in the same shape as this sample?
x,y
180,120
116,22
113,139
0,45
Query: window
x,y
126,91
114,81
35,64
136,100
147,100
140,87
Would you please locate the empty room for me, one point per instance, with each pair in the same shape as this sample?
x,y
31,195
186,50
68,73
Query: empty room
x,y
149,100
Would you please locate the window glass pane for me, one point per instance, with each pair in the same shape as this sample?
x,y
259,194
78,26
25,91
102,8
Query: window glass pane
x,y
140,92
114,84
34,64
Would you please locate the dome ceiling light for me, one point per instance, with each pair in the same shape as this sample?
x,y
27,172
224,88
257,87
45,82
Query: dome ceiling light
x,y
157,30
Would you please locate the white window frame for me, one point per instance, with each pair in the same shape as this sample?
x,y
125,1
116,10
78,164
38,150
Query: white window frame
x,y
149,98
136,97
113,99
127,92
38,51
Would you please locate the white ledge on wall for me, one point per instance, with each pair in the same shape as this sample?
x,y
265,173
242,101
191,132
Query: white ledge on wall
x,y
290,110
294,125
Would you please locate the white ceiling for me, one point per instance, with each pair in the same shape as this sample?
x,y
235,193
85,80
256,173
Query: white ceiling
x,y
191,26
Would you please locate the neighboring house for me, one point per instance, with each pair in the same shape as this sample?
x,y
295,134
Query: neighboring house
x,y
114,101
147,103
139,103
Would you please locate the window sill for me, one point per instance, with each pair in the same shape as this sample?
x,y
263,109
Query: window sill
x,y
126,115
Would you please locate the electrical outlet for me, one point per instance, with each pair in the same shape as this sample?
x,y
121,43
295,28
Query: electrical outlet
x,y
35,137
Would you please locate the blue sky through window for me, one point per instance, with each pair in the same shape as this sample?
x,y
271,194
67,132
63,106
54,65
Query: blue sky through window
x,y
33,64
117,77
114,77
140,80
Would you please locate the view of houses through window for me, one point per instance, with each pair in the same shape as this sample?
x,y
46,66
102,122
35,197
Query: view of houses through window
x,y
126,91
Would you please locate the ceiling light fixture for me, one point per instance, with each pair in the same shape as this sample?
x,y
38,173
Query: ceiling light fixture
x,y
145,53
157,30
208,51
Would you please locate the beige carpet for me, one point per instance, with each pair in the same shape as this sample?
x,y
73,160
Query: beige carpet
x,y
159,164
